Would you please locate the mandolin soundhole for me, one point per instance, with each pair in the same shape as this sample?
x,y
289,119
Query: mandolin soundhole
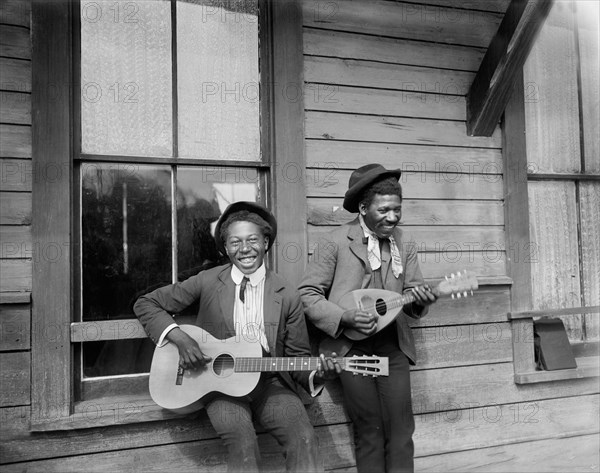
x,y
223,365
381,307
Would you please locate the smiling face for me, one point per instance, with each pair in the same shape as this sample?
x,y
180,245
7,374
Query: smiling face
x,y
246,245
383,214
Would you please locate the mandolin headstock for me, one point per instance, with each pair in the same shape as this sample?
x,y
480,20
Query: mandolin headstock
x,y
458,285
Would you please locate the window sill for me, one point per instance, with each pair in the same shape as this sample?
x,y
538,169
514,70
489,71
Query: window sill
x,y
106,412
587,367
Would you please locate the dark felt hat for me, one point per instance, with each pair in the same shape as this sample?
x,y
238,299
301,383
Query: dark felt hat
x,y
361,179
252,207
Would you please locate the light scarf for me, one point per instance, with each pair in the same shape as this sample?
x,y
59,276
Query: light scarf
x,y
374,252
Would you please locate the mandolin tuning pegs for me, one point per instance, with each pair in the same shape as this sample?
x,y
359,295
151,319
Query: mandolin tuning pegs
x,y
458,295
452,295
465,293
354,374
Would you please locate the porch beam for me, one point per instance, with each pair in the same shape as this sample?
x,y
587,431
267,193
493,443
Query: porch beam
x,y
506,54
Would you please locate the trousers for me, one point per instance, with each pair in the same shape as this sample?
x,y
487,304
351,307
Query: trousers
x,y
381,408
281,412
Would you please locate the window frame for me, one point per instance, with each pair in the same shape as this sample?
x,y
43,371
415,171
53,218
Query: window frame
x,y
56,142
517,226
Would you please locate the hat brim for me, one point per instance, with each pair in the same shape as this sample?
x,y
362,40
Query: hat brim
x,y
353,195
252,207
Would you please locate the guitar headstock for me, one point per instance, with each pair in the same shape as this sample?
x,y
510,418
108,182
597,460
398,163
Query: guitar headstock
x,y
367,365
458,285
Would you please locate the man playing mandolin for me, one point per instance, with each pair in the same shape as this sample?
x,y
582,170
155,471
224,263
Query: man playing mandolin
x,y
371,252
246,300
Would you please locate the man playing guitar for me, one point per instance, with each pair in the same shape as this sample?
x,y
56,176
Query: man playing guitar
x,y
246,300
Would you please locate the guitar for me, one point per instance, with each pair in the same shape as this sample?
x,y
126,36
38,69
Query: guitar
x,y
234,370
388,305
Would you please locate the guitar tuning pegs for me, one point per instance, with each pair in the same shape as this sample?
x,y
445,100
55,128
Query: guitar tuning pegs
x,y
452,295
354,374
471,291
465,293
364,374
458,295
446,276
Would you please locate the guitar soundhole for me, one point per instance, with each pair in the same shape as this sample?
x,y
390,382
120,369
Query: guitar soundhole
x,y
381,307
223,365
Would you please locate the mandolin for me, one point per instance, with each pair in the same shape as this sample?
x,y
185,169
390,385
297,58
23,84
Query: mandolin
x,y
388,304
234,370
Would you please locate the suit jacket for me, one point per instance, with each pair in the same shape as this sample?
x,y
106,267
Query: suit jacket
x,y
285,325
340,265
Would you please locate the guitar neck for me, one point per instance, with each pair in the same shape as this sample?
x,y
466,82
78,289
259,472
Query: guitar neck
x,y
253,365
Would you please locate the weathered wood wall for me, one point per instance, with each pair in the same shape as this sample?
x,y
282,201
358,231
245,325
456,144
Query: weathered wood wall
x,y
385,82
16,177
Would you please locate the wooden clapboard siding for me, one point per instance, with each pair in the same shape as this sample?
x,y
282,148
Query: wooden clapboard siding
x,y
328,155
404,20
15,141
16,175
15,326
386,129
16,108
335,98
14,42
437,238
16,75
386,76
462,345
389,50
15,12
16,275
15,378
578,453
450,396
329,211
488,304
435,433
416,186
15,208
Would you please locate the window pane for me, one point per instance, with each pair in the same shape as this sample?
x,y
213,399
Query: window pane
x,y
126,236
551,103
589,197
202,196
116,357
554,251
218,79
126,88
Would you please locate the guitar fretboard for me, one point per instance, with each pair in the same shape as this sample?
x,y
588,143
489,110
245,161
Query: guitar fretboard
x,y
253,365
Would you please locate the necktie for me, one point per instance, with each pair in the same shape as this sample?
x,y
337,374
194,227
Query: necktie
x,y
243,288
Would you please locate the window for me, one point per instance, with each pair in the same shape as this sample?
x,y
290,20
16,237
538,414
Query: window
x,y
553,195
169,120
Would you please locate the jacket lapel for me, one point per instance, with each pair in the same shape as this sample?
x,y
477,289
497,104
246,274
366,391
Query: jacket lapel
x,y
226,297
272,304
358,247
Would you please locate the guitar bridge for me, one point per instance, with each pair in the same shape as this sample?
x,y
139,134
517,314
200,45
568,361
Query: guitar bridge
x,y
179,379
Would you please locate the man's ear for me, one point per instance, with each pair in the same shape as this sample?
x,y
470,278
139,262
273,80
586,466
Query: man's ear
x,y
362,208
